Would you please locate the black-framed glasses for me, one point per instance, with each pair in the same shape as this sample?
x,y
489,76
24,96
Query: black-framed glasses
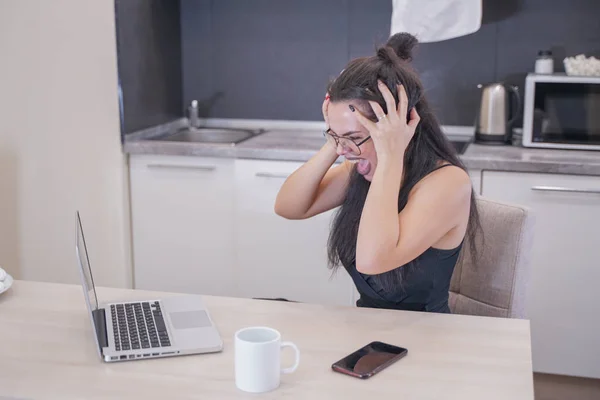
x,y
346,143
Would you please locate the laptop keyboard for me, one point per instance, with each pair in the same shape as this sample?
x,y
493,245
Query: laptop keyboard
x,y
138,326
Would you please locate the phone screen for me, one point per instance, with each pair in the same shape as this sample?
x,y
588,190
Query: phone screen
x,y
369,360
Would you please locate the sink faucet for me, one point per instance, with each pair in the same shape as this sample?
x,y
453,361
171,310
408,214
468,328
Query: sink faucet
x,y
193,116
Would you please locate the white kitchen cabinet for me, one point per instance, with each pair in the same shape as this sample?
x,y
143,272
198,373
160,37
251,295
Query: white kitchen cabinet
x,y
182,220
563,296
278,257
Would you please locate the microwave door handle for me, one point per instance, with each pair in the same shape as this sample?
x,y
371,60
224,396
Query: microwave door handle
x,y
514,91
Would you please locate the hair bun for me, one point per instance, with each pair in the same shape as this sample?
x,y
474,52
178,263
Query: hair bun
x,y
402,44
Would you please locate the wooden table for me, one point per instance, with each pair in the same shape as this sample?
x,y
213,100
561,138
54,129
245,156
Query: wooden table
x,y
47,351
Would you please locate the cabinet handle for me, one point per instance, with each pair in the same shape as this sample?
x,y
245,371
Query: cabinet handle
x,y
271,175
207,168
564,189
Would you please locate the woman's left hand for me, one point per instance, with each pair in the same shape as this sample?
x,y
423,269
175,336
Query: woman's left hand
x,y
392,134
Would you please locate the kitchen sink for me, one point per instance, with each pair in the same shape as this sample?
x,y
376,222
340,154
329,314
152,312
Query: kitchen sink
x,y
226,136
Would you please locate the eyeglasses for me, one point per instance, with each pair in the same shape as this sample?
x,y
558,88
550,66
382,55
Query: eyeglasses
x,y
349,144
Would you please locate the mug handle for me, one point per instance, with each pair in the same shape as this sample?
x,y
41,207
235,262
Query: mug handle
x,y
296,363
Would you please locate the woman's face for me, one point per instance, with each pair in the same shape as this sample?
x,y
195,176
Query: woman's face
x,y
344,125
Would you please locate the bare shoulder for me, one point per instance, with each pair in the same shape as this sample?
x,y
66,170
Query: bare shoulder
x,y
449,181
446,194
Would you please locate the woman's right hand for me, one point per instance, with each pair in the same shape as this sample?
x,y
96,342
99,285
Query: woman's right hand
x,y
324,110
327,147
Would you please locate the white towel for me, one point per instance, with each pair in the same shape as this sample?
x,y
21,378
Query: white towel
x,y
436,20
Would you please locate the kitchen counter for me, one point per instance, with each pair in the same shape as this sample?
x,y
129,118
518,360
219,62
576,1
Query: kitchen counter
x,y
300,142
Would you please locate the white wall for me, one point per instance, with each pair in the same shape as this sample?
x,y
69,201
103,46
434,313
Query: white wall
x,y
60,148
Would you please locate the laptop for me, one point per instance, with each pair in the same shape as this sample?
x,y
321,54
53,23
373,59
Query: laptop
x,y
157,327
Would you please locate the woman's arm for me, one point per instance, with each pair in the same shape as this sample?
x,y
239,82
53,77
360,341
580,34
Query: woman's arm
x,y
436,205
315,187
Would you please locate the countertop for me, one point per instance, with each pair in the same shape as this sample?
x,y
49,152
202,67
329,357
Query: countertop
x,y
48,351
299,142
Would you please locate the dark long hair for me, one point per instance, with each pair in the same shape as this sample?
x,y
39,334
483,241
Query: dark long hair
x,y
358,83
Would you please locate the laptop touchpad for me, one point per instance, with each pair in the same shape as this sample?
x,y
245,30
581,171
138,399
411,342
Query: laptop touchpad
x,y
189,319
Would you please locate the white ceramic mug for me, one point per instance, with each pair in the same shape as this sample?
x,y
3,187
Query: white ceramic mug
x,y
258,359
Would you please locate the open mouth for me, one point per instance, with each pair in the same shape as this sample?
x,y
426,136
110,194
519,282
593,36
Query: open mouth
x,y
363,166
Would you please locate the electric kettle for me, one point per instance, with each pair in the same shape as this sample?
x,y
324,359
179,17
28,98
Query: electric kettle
x,y
500,107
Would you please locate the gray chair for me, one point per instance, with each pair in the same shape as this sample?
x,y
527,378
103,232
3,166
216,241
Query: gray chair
x,y
496,285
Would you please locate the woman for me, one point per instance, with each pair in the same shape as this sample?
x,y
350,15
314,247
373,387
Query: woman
x,y
406,200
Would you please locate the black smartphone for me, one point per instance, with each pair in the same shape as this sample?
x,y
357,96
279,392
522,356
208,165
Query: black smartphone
x,y
369,360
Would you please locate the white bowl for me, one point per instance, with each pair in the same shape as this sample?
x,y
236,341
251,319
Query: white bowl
x,y
6,284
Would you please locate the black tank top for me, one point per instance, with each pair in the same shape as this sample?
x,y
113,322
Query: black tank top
x,y
421,285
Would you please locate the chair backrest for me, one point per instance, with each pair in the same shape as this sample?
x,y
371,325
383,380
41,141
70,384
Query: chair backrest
x,y
496,285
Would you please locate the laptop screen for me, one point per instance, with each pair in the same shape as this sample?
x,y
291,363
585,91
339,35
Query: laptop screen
x,y
89,290
87,280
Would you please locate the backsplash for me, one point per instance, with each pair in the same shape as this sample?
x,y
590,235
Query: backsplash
x,y
272,59
149,62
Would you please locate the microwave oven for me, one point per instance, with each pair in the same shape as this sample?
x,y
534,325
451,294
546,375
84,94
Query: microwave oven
x,y
562,112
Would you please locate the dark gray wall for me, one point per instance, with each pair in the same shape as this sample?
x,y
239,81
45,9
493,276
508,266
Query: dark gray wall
x,y
273,58
149,62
